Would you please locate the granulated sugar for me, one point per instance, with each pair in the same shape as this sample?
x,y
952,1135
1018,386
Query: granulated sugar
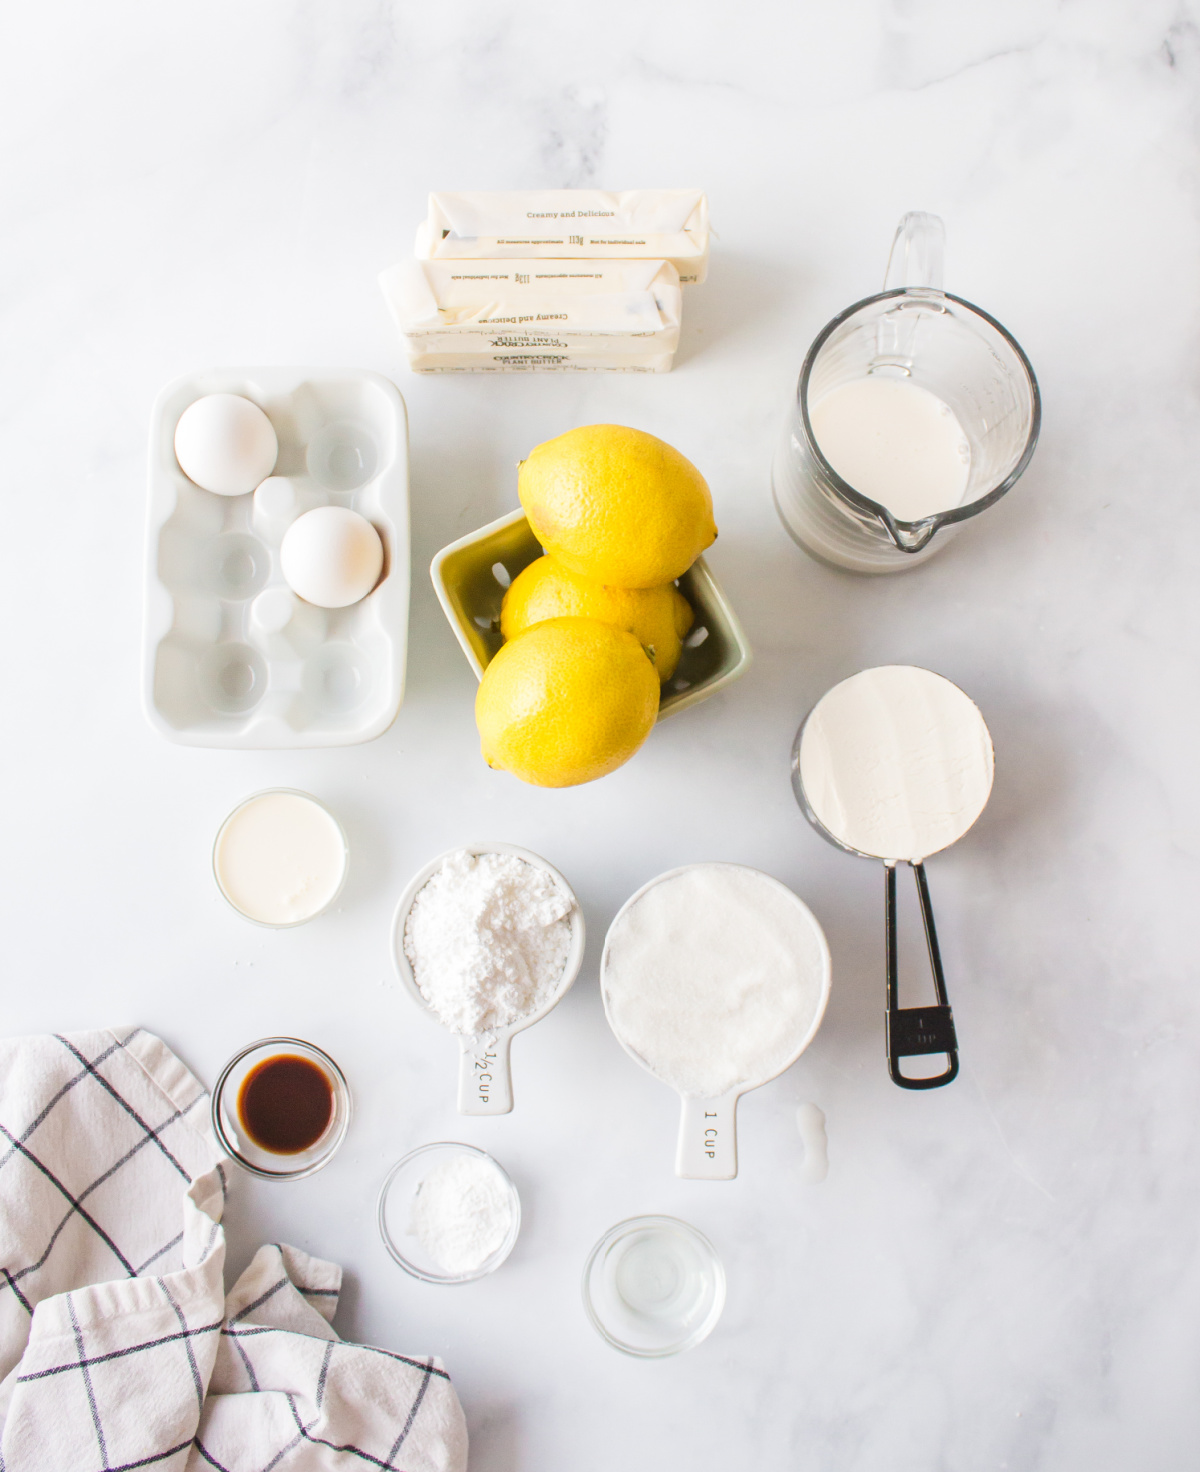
x,y
488,937
714,977
462,1213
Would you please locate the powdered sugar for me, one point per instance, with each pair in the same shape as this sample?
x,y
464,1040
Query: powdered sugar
x,y
487,937
462,1213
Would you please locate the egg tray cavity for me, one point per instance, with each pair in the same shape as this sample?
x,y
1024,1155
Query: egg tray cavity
x,y
219,669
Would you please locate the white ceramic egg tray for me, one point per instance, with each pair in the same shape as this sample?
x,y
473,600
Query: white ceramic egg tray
x,y
231,657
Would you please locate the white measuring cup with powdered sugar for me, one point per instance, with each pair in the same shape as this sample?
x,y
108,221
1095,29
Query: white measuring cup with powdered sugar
x,y
485,1074
896,763
715,978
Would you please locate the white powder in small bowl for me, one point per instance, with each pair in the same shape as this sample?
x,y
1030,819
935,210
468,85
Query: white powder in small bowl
x,y
488,937
462,1213
715,978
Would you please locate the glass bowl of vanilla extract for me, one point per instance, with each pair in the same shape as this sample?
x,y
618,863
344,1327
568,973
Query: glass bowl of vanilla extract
x,y
281,1108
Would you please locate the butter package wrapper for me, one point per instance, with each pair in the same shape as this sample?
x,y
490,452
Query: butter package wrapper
x,y
570,224
492,310
541,361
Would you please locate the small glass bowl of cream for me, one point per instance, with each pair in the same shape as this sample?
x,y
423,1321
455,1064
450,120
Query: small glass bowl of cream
x,y
280,858
653,1286
281,1108
449,1213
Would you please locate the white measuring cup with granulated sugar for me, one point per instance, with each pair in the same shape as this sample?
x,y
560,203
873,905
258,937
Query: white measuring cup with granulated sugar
x,y
715,978
487,939
896,763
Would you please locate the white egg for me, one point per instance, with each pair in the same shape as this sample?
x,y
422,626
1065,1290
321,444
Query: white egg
x,y
331,556
225,444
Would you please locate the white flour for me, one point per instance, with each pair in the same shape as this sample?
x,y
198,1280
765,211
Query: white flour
x,y
715,977
462,1212
896,762
488,938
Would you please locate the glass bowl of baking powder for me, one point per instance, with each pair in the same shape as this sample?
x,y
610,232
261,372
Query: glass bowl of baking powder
x,y
448,1213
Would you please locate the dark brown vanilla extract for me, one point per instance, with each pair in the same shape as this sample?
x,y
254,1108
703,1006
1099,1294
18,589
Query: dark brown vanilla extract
x,y
285,1104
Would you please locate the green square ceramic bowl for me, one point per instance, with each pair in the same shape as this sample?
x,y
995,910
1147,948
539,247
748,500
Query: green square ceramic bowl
x,y
471,575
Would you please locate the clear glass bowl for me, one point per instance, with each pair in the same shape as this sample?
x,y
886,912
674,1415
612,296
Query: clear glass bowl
x,y
236,1142
395,1214
654,1286
216,856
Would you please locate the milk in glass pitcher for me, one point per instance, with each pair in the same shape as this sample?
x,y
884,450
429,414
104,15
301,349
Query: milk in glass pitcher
x,y
915,411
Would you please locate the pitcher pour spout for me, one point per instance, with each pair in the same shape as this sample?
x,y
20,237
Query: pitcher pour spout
x,y
909,541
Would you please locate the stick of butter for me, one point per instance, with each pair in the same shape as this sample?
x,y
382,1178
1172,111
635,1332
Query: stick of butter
x,y
541,362
516,314
570,224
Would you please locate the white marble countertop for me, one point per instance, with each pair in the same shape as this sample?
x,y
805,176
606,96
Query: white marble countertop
x,y
1001,1274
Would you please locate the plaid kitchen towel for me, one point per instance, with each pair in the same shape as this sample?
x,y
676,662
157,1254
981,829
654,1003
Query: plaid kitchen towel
x,y
118,1346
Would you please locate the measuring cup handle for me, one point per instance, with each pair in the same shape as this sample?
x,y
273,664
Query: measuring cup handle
x,y
484,1076
914,1031
707,1148
917,255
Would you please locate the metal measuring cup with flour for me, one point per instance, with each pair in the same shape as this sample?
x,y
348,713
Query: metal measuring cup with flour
x,y
896,763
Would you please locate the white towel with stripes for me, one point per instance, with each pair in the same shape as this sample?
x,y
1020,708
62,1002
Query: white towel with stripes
x,y
118,1346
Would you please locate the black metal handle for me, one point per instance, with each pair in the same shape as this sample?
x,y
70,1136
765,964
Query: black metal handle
x,y
912,1031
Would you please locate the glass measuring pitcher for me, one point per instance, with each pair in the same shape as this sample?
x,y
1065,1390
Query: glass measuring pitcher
x,y
912,332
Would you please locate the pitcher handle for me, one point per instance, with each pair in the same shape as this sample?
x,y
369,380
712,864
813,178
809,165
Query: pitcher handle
x,y
915,267
917,255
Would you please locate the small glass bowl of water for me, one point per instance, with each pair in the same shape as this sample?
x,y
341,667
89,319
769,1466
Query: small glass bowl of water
x,y
654,1286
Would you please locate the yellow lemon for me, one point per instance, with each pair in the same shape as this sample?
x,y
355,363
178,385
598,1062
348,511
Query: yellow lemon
x,y
658,618
565,702
617,506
